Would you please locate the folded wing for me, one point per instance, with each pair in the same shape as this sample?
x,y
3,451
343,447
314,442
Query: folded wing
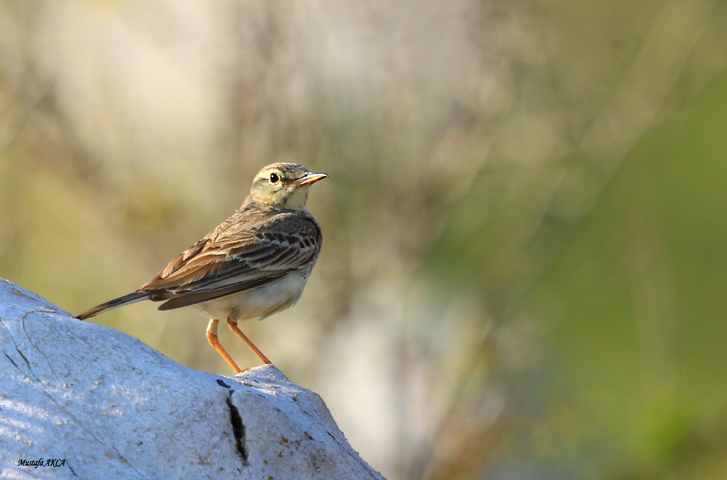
x,y
231,262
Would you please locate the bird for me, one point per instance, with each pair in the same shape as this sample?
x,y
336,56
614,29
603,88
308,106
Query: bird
x,y
253,265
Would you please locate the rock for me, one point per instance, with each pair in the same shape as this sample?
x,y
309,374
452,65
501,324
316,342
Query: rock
x,y
98,403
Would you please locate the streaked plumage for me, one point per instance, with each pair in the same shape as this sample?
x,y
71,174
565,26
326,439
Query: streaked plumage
x,y
253,265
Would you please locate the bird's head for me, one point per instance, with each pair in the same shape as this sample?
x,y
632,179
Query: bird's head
x,y
283,185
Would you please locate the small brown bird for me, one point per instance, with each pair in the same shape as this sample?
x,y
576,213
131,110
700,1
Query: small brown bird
x,y
253,265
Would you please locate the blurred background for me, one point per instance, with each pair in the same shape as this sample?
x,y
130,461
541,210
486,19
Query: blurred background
x,y
524,272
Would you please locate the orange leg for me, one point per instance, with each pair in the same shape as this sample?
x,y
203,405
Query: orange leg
x,y
214,341
260,355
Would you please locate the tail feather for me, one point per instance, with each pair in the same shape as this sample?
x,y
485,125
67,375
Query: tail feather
x,y
116,302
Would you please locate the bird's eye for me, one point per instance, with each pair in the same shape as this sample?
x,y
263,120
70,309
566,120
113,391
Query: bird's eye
x,y
274,178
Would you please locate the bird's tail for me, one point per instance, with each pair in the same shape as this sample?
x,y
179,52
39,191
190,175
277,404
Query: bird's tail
x,y
116,302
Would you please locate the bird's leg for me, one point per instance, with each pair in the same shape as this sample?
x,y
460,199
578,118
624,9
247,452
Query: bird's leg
x,y
260,355
214,341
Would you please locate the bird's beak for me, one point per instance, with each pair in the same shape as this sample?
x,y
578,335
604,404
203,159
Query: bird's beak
x,y
310,178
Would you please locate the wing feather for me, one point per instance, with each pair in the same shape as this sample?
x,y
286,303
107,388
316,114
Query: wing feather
x,y
230,260
193,298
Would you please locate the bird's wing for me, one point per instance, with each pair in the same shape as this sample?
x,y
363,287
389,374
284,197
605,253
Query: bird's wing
x,y
228,261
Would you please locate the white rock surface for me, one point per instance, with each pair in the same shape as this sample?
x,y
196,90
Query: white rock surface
x,y
113,408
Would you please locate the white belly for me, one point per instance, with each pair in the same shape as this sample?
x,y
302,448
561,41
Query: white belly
x,y
260,302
